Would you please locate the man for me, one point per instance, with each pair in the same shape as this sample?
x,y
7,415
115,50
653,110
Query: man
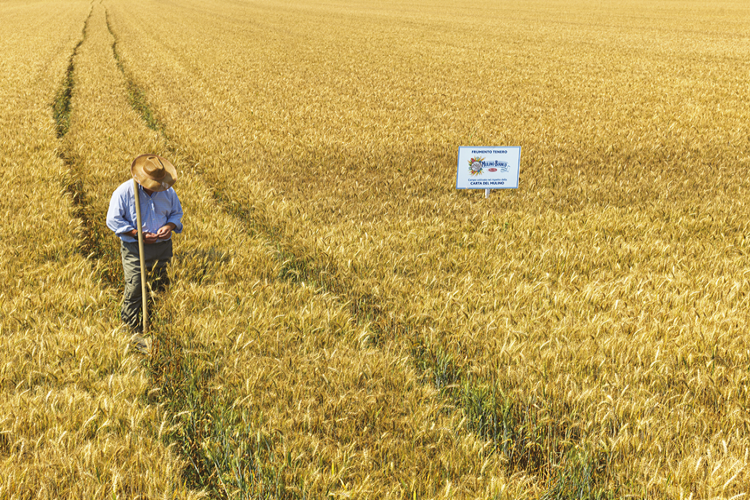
x,y
161,215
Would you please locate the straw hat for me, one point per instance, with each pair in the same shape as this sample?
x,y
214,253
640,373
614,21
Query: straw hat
x,y
153,172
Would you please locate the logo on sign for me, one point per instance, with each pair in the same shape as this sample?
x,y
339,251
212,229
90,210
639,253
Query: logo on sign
x,y
491,170
476,165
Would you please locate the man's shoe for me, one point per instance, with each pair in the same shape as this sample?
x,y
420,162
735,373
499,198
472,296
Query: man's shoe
x,y
141,344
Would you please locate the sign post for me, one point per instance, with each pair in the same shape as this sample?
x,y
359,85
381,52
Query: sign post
x,y
488,167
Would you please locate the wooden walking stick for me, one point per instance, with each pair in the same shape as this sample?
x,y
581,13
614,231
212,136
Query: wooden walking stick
x,y
140,253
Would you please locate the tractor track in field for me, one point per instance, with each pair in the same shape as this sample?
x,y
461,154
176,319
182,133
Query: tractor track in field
x,y
88,242
183,386
508,424
170,366
61,106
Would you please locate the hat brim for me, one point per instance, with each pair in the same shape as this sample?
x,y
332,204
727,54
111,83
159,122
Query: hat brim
x,y
140,176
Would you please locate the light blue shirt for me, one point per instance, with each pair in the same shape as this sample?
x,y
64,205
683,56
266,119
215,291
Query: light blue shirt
x,y
156,211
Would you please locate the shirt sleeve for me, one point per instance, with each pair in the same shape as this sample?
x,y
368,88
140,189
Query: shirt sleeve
x,y
175,216
117,214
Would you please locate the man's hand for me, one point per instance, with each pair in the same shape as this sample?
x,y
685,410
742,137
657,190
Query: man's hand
x,y
165,231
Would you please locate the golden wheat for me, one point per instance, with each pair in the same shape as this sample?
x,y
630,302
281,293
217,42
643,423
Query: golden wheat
x,y
608,293
74,423
342,322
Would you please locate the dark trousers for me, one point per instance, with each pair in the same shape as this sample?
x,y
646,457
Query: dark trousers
x,y
157,257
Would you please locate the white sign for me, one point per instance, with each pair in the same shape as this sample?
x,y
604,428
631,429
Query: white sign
x,y
495,167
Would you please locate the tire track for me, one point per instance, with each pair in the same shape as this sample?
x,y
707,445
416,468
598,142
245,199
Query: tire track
x,y
170,367
182,382
520,430
61,105
88,241
69,110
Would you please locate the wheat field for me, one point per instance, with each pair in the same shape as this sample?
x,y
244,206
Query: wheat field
x,y
342,322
